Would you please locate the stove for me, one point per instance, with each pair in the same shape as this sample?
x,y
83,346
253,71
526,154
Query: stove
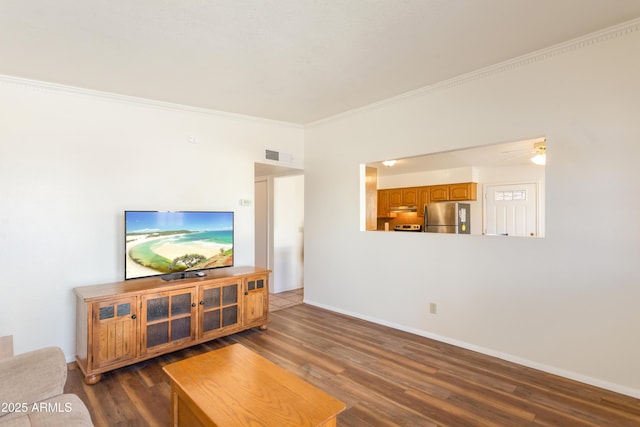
x,y
408,227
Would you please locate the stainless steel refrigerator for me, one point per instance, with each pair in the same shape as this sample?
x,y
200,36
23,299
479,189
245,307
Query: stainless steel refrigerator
x,y
447,217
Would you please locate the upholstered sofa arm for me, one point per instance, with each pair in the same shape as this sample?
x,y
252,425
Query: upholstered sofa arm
x,y
33,376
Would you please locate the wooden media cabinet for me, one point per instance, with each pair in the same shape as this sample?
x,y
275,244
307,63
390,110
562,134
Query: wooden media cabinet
x,y
122,323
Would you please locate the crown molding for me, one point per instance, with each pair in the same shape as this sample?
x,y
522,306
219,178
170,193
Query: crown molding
x,y
573,45
115,97
591,39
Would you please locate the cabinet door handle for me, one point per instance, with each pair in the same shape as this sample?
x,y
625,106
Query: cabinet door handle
x,y
246,292
133,316
201,302
193,304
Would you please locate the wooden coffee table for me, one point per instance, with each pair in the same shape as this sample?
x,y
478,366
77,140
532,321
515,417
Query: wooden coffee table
x,y
234,386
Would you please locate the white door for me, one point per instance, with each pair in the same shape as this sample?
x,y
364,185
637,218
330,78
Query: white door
x,y
511,210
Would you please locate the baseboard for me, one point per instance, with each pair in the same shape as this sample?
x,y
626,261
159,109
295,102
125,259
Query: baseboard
x,y
617,388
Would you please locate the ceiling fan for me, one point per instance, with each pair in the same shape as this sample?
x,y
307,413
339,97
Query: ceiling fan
x,y
537,153
541,153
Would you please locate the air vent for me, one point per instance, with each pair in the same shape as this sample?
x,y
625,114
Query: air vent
x,y
272,155
278,156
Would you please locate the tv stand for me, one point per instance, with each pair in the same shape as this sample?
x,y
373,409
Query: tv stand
x,y
182,275
122,323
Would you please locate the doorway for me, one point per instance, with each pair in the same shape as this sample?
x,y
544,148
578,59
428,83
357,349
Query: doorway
x,y
261,224
279,231
511,210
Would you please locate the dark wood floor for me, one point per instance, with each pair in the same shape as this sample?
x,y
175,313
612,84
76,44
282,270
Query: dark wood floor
x,y
386,377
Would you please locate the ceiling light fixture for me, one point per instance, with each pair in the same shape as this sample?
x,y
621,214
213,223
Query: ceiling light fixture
x,y
541,154
389,163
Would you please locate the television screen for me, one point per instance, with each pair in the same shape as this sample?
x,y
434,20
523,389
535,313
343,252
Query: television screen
x,y
176,244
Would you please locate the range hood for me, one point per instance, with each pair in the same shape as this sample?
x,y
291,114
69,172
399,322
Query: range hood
x,y
409,208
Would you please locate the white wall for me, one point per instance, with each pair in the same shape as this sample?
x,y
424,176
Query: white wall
x,y
433,177
288,233
72,161
567,303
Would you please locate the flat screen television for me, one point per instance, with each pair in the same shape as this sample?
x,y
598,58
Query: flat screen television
x,y
176,245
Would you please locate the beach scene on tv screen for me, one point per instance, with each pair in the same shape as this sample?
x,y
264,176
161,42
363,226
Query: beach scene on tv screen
x,y
170,242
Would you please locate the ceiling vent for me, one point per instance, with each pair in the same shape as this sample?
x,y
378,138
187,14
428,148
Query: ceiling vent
x,y
272,155
278,156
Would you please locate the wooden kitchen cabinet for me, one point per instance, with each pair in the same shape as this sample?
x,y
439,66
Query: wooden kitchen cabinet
x,y
453,192
403,196
464,191
383,203
395,197
122,323
420,196
439,193
410,196
392,197
423,199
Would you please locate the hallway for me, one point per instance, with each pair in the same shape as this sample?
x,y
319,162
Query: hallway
x,y
285,299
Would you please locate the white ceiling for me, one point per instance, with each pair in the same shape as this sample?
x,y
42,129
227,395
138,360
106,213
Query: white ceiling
x,y
509,154
290,60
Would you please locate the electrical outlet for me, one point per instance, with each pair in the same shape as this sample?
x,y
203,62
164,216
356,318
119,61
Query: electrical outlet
x,y
433,308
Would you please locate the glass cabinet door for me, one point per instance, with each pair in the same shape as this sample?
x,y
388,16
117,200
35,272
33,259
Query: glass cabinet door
x,y
219,307
168,318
